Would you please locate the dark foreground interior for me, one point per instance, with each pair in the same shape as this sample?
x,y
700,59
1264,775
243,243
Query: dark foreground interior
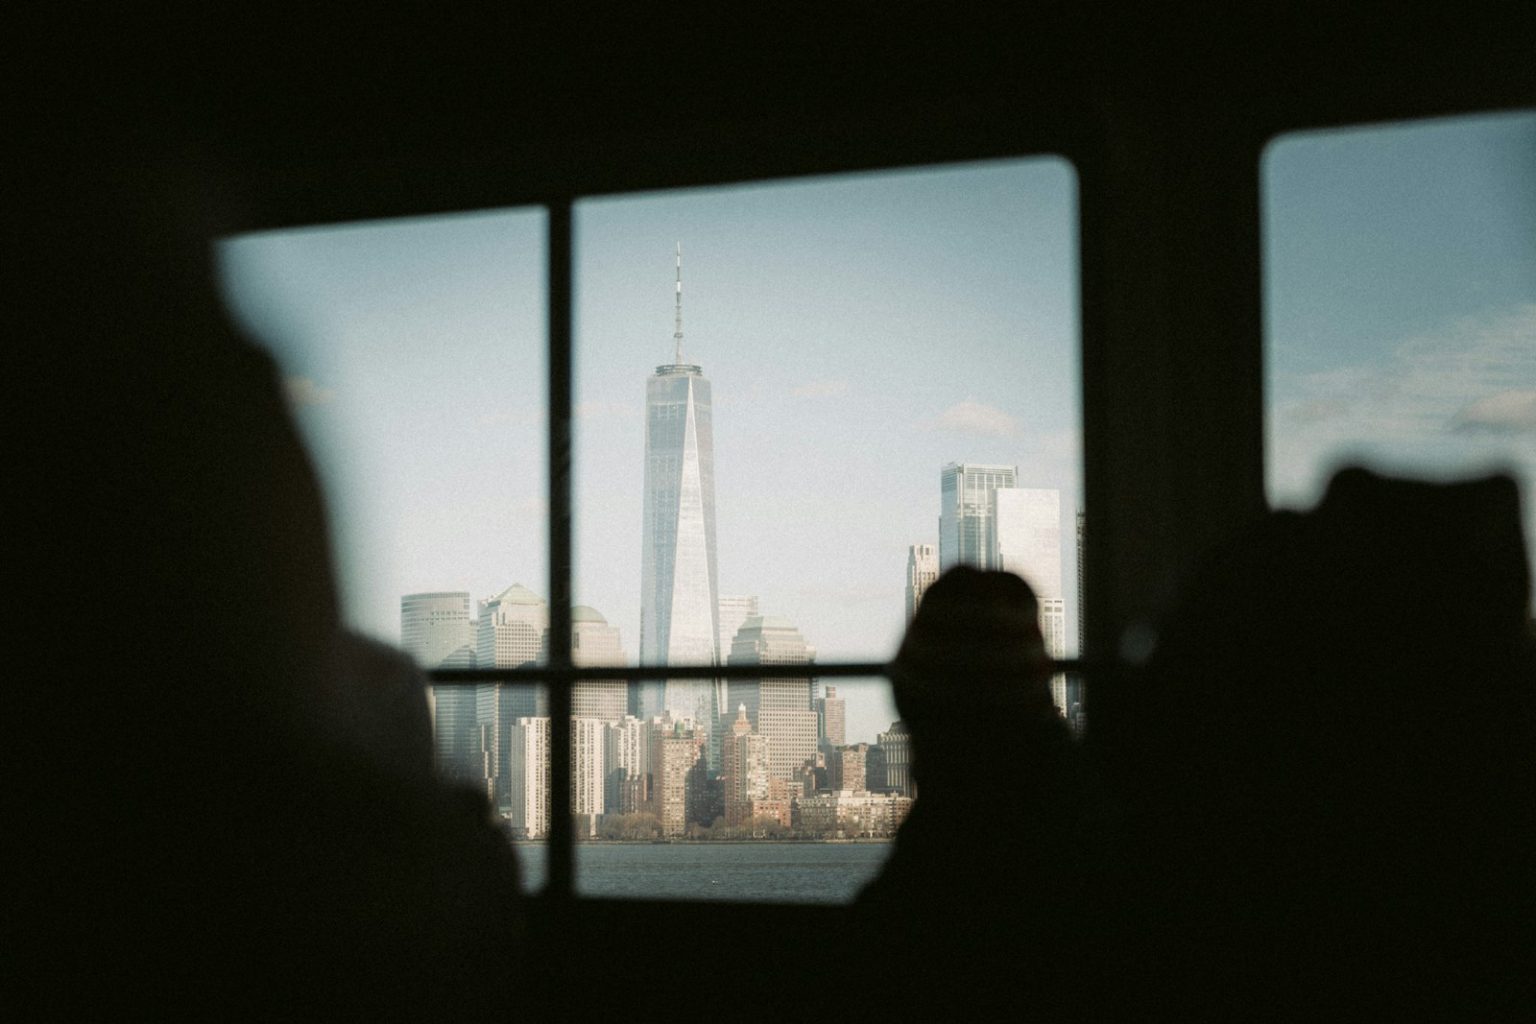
x,y
284,116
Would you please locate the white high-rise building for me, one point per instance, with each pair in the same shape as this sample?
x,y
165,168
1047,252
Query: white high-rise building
x,y
528,778
588,772
1026,532
679,601
436,630
510,634
529,775
922,570
965,512
779,709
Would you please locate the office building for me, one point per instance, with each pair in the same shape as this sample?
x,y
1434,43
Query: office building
x,y
1026,541
965,512
679,601
896,759
846,767
922,570
831,719
510,634
594,642
778,708
436,631
735,610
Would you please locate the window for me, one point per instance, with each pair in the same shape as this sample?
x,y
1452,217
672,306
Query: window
x,y
755,479
1400,301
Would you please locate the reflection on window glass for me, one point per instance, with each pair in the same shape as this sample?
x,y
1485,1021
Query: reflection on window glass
x,y
1400,275
776,389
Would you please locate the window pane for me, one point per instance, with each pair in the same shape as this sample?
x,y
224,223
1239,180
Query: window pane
x,y
414,355
1400,300
774,451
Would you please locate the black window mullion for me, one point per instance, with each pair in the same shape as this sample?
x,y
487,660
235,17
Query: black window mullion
x,y
561,873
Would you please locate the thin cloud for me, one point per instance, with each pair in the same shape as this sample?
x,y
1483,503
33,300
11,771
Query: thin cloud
x,y
821,389
1438,403
303,392
1507,412
975,418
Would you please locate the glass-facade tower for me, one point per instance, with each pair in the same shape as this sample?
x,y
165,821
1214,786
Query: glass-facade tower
x,y
679,603
965,512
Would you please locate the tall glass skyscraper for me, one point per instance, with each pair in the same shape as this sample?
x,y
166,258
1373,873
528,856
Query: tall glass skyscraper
x,y
437,631
965,512
679,603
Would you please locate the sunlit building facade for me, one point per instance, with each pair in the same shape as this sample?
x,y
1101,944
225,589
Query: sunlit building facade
x,y
778,708
527,776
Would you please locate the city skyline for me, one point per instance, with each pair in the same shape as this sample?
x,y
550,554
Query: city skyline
x,y
868,329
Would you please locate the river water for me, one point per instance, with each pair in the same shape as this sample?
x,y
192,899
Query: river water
x,y
761,871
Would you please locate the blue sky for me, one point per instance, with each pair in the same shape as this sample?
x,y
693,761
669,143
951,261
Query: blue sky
x,y
860,332
1400,301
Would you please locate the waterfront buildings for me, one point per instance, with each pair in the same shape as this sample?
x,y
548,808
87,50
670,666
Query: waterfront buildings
x,y
965,512
744,771
436,630
626,761
677,773
852,813
779,708
922,570
588,773
679,601
527,743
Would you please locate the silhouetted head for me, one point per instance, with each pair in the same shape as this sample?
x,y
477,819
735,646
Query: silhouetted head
x,y
974,645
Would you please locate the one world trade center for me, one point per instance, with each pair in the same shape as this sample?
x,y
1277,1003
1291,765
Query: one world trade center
x,y
679,608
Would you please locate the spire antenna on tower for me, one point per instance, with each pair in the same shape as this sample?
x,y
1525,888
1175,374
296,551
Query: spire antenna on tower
x,y
677,334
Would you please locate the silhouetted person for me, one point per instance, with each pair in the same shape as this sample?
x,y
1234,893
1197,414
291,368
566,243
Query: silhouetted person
x,y
194,833
984,901
1327,776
